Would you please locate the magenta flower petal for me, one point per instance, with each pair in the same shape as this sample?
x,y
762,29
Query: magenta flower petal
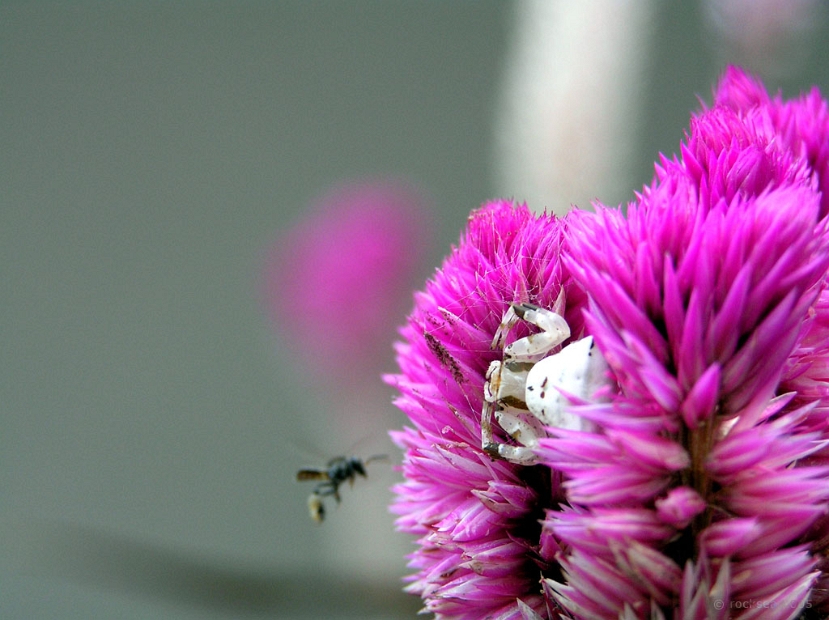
x,y
729,537
594,530
679,507
770,573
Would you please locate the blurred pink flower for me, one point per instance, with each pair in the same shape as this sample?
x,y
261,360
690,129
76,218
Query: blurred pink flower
x,y
337,282
699,485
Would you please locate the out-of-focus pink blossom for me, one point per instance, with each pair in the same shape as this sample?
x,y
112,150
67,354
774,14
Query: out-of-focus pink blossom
x,y
336,283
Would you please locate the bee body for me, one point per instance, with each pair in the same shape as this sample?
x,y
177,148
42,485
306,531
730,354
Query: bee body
x,y
336,472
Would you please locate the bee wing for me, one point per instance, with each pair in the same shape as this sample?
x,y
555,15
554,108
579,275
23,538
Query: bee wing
x,y
311,474
376,457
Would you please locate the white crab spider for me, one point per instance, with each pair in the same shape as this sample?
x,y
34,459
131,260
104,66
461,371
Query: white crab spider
x,y
526,390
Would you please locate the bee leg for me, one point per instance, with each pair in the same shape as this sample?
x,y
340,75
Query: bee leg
x,y
324,489
316,508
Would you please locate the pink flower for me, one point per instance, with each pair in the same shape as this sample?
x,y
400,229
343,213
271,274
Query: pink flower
x,y
698,485
358,250
799,127
703,298
480,546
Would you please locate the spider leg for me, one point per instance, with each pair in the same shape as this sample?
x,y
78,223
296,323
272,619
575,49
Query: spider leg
x,y
525,429
503,385
508,321
516,454
521,426
488,444
504,401
554,331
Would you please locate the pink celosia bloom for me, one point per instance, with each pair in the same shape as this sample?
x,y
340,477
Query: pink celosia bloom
x,y
477,519
707,301
358,248
701,489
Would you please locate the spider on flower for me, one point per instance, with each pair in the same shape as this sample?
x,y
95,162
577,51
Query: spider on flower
x,y
531,388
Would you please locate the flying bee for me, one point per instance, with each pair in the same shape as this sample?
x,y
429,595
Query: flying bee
x,y
336,472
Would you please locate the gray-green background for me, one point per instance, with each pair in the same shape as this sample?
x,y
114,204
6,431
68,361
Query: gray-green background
x,y
149,420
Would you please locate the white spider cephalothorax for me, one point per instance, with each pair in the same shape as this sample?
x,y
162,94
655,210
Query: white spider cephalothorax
x,y
530,388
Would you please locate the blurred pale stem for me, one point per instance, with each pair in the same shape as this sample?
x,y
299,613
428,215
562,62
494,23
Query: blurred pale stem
x,y
567,122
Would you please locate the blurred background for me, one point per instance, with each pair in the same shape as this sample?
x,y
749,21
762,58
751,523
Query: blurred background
x,y
169,172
